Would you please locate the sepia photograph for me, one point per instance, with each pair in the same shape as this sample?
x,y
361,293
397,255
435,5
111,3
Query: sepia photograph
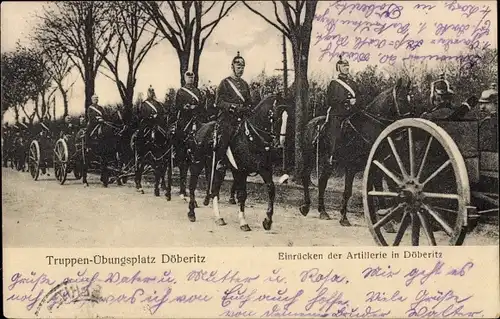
x,y
249,123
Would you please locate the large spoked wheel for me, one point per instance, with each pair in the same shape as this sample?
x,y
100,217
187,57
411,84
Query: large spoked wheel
x,y
416,180
34,160
61,160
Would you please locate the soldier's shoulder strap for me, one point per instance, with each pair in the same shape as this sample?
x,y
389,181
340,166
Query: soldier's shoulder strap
x,y
151,105
235,89
346,86
95,109
190,93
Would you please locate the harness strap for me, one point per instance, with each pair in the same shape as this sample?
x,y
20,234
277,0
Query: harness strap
x,y
152,106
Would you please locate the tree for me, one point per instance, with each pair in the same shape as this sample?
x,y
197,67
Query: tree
x,y
187,25
83,31
297,27
130,24
23,79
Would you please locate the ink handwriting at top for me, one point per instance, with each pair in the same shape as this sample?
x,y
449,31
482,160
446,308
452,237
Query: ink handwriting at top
x,y
382,10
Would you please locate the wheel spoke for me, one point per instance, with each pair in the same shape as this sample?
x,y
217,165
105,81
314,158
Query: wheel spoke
x,y
436,172
447,210
427,229
388,172
415,230
447,229
384,220
402,228
440,195
422,164
411,152
386,194
396,156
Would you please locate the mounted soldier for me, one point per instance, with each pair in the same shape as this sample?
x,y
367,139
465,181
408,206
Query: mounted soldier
x,y
233,102
188,105
150,111
341,101
95,115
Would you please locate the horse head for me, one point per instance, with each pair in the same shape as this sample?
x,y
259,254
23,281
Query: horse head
x,y
395,102
271,116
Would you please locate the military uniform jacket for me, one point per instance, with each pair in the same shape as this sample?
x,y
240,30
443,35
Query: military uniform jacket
x,y
339,92
150,110
235,92
188,95
94,113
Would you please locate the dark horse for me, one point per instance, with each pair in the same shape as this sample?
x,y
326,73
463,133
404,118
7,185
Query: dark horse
x,y
103,148
359,131
152,144
251,147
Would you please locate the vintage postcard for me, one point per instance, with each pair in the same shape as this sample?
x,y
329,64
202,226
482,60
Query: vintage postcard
x,y
257,159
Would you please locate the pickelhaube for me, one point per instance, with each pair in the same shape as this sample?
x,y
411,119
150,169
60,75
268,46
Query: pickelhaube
x,y
238,59
340,62
489,96
441,86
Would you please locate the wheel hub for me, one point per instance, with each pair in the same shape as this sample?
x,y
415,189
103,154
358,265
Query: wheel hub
x,y
412,194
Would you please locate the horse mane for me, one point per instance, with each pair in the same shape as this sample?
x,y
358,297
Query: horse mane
x,y
380,98
256,111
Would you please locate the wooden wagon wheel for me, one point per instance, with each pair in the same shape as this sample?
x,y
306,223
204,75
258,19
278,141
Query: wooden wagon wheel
x,y
34,160
61,160
426,185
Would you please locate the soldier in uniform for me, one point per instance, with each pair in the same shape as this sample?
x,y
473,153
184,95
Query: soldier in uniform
x,y
341,101
150,111
188,104
95,115
488,102
233,102
441,93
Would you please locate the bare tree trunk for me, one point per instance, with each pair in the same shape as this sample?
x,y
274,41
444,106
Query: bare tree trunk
x,y
196,65
89,89
184,65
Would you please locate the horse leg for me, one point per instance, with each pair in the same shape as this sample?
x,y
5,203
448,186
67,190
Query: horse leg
x,y
104,173
157,172
218,179
85,167
323,181
195,170
349,179
169,167
232,201
183,167
267,177
305,177
240,180
139,168
208,170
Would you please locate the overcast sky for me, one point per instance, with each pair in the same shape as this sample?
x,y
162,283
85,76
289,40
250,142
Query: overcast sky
x,y
260,43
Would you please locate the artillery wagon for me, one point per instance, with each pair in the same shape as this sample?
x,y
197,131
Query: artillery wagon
x,y
71,154
40,154
432,179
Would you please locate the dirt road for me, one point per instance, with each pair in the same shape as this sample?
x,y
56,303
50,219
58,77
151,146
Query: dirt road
x,y
43,213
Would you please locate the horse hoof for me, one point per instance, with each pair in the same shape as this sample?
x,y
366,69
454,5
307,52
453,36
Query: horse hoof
x,y
140,190
169,198
195,203
345,222
192,217
220,222
232,201
304,210
245,227
157,192
324,216
206,201
267,224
